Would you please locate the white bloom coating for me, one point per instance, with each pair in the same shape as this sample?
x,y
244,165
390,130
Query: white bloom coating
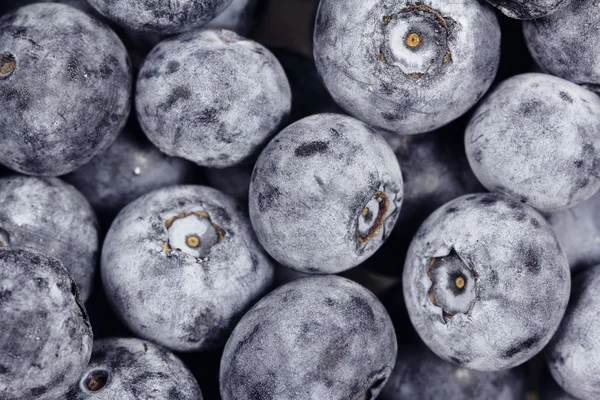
x,y
325,194
168,294
573,354
406,66
160,16
211,97
133,369
66,96
313,339
537,138
522,282
45,334
578,231
49,216
565,43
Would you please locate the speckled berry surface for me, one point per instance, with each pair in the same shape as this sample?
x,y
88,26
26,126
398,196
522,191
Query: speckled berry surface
x,y
537,138
129,168
565,42
578,231
486,282
420,374
528,9
181,264
189,106
405,66
325,194
49,216
160,16
315,338
66,88
46,338
240,17
132,369
572,354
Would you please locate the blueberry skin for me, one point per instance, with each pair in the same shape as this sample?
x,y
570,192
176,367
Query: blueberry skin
x,y
189,106
49,216
131,369
550,129
187,299
486,282
578,231
528,9
572,353
239,16
129,168
46,337
565,43
161,16
325,194
420,374
337,333
59,111
404,66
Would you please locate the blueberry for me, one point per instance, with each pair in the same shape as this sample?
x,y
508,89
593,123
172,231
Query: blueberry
x,y
180,264
528,9
405,66
131,369
486,282
566,43
325,194
578,231
572,353
309,94
420,374
49,216
59,111
160,16
189,105
129,168
537,138
239,16
337,333
46,337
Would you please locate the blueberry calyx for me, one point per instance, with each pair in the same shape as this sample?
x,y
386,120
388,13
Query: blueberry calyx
x,y
193,233
453,285
96,380
372,217
8,64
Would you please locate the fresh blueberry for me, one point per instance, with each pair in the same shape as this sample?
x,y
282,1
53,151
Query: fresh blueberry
x,y
315,338
405,66
189,105
239,16
566,43
180,265
420,374
572,354
66,88
309,95
129,168
537,138
49,216
528,9
578,231
160,16
486,282
131,369
45,334
325,194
